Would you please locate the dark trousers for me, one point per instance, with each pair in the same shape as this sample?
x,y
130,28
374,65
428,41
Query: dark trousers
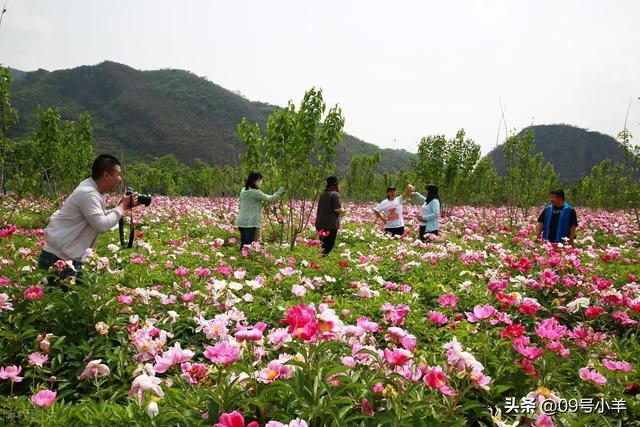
x,y
247,235
423,231
397,231
328,241
46,260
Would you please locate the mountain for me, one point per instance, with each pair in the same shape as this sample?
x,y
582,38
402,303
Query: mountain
x,y
571,150
17,74
146,114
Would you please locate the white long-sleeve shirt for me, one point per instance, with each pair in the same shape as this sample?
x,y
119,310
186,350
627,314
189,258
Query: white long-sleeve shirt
x,y
75,227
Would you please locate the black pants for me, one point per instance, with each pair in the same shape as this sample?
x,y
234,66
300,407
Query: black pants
x,y
46,260
247,235
328,241
423,231
397,231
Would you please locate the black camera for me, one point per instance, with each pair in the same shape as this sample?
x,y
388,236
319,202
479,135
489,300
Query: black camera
x,y
143,199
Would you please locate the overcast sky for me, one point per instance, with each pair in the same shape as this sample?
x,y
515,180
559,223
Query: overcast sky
x,y
400,70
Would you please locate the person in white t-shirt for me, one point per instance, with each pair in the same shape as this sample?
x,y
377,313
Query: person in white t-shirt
x,y
389,211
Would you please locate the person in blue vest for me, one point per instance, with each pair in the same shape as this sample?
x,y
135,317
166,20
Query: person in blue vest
x,y
558,220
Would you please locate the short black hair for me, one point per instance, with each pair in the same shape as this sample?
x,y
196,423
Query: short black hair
x,y
103,163
391,188
251,180
558,192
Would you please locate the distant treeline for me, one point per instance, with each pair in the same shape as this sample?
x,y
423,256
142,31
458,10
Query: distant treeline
x,y
59,155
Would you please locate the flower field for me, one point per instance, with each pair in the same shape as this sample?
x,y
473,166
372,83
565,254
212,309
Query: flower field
x,y
481,326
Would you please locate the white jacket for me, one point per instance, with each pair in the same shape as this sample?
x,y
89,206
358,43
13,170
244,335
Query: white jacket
x,y
75,227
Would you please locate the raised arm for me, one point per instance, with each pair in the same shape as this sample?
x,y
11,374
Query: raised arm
x,y
269,198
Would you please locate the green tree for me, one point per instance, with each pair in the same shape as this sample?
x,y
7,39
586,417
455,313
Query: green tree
x,y
447,164
631,182
529,178
361,178
76,153
603,187
297,152
483,185
8,116
428,164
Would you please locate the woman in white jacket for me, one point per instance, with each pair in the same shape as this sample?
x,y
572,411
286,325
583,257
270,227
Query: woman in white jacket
x,y
430,216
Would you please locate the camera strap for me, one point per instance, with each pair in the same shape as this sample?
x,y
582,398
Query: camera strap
x,y
131,229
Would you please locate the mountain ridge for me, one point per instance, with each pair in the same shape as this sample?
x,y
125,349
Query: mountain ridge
x,y
147,114
573,151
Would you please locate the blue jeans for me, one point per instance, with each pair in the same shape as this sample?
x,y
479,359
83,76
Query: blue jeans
x,y
46,260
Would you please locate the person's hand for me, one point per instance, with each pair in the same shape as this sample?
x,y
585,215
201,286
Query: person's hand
x,y
128,202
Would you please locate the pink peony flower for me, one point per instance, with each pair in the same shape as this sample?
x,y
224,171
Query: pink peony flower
x,y
279,338
436,378
367,324
274,371
33,293
143,383
613,365
233,419
44,398
173,356
11,373
94,369
480,313
496,286
38,359
405,339
5,302
223,352
438,318
182,272
254,333
549,277
529,306
302,322
125,299
395,315
448,300
194,373
550,329
592,375
396,357
593,312
544,420
298,290
366,408
522,346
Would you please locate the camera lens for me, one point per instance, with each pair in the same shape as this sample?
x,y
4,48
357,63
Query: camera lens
x,y
144,199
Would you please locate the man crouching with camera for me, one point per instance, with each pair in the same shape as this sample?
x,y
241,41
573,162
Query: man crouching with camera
x,y
76,226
